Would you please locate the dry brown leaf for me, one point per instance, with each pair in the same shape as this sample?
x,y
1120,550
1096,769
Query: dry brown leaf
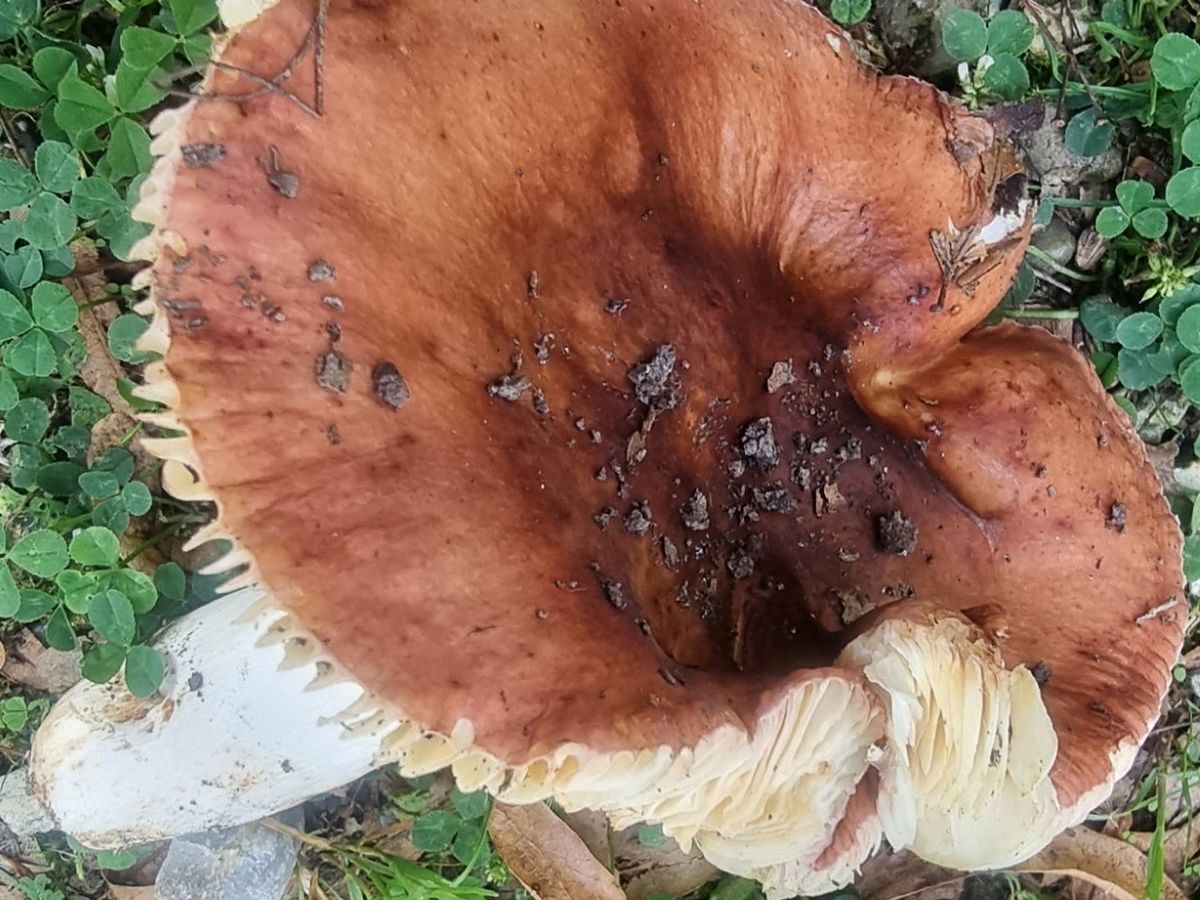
x,y
593,829
547,857
132,892
659,870
34,665
1094,858
99,371
1181,844
891,876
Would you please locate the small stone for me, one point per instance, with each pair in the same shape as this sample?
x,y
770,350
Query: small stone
x,y
758,444
20,809
616,305
252,862
333,302
540,404
781,375
895,533
533,286
199,156
320,270
695,511
1056,241
333,372
509,387
1058,168
390,386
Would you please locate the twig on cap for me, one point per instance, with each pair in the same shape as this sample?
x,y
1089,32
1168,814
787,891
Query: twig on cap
x,y
1155,611
274,85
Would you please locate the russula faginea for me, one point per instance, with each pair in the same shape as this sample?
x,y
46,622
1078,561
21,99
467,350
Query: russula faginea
x,y
597,395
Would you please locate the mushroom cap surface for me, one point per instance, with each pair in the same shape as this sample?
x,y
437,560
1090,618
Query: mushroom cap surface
x,y
584,372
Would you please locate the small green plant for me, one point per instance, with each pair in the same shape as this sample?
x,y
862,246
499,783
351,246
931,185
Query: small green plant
x,y
17,712
1137,208
36,887
989,53
67,506
849,12
1169,100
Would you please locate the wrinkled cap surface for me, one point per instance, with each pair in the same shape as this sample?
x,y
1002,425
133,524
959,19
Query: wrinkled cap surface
x,y
585,370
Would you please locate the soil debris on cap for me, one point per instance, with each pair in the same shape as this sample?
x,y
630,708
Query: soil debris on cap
x,y
603,517
637,520
828,499
740,564
895,533
695,511
758,444
333,302
614,592
320,270
509,387
334,331
852,449
333,434
614,306
286,183
782,374
333,372
655,382
635,447
670,553
389,385
1116,517
540,404
853,605
801,475
542,347
533,286
1041,674
199,156
773,498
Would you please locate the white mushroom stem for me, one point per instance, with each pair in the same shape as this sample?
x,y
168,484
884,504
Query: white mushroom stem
x,y
231,737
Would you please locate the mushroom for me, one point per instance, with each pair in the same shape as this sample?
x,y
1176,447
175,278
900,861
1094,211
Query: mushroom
x,y
603,412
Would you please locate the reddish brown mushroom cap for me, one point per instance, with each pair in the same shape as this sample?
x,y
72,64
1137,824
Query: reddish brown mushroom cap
x,y
584,370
